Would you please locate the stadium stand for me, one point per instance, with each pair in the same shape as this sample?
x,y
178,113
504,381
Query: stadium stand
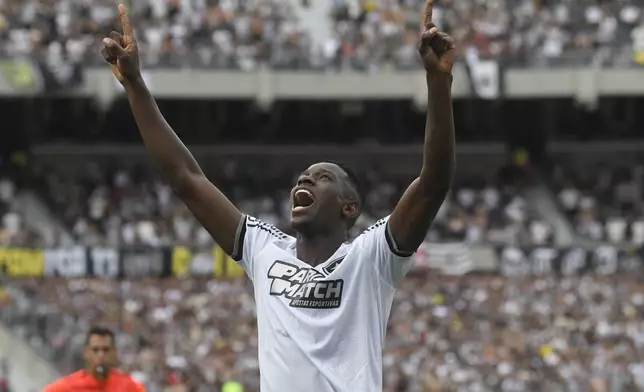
x,y
471,333
368,35
603,202
11,220
535,325
14,231
115,206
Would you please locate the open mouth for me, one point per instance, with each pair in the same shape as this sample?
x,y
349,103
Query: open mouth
x,y
302,199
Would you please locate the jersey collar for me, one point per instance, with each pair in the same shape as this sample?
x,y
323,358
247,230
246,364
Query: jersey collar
x,y
340,253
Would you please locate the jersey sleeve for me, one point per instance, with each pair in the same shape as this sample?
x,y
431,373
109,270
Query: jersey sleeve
x,y
379,247
253,236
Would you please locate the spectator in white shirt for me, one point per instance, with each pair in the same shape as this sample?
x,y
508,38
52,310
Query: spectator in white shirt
x,y
616,229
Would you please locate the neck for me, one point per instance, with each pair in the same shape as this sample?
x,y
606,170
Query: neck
x,y
314,250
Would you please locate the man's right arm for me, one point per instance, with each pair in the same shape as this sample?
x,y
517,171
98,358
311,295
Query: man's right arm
x,y
211,208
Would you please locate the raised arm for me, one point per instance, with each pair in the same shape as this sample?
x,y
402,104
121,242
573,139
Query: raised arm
x,y
211,208
415,211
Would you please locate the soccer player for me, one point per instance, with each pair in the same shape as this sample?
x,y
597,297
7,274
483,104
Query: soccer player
x,y
322,303
100,373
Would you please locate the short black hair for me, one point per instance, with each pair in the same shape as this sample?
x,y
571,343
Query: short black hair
x,y
100,331
356,184
353,179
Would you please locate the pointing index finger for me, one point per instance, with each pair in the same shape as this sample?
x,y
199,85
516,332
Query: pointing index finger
x,y
427,14
125,22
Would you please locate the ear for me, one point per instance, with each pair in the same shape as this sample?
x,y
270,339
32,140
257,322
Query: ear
x,y
350,210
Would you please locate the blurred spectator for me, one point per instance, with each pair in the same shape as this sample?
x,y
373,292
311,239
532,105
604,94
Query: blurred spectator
x,y
13,230
479,332
365,34
132,207
604,204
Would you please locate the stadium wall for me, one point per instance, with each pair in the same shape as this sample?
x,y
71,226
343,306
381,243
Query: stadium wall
x,y
585,84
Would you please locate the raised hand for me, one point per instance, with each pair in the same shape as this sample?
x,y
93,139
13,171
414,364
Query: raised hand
x,y
121,51
437,49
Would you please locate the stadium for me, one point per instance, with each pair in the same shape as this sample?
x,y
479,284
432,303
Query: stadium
x,y
530,278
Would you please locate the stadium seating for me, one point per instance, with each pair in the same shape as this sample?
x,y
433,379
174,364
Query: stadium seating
x,y
479,332
113,206
474,332
14,231
603,203
367,35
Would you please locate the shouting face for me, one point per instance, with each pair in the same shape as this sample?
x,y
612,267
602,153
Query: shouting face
x,y
325,199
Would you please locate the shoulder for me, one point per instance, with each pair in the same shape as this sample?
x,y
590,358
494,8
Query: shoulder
x,y
255,235
380,224
372,232
126,381
253,238
64,383
365,243
266,228
378,237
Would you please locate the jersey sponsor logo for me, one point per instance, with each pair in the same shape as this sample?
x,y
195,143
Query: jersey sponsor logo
x,y
305,287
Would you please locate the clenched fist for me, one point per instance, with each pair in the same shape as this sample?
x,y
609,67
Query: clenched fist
x,y
121,51
437,49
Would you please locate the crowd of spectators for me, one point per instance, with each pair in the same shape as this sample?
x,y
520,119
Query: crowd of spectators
x,y
469,333
103,206
14,230
119,206
603,203
11,220
362,34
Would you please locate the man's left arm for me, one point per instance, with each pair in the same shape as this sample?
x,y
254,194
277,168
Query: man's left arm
x,y
414,213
